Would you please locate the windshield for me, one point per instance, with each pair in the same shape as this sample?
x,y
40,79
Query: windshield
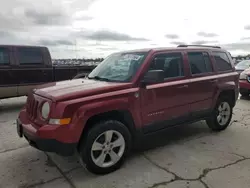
x,y
243,64
118,67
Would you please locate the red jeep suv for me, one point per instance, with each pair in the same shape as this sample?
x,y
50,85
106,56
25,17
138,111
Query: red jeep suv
x,y
127,96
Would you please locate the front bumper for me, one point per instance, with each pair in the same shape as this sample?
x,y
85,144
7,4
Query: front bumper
x,y
37,140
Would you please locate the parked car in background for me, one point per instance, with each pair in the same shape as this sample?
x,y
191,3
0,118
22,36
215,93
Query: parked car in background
x,y
23,68
129,95
242,65
245,82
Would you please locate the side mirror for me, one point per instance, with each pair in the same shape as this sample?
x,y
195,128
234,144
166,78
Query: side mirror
x,y
153,76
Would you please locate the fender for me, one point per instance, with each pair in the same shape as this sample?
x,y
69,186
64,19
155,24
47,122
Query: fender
x,y
87,111
225,86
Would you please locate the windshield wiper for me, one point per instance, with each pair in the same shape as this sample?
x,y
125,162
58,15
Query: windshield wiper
x,y
99,78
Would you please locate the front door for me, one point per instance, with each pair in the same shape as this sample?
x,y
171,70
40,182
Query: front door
x,y
165,104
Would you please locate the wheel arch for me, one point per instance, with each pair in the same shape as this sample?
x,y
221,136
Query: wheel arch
x,y
123,116
226,92
229,93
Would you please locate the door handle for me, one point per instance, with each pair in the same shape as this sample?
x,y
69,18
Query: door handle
x,y
182,87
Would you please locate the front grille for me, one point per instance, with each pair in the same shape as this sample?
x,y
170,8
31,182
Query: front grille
x,y
32,106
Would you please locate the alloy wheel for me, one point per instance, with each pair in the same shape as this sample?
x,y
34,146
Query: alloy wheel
x,y
223,115
108,148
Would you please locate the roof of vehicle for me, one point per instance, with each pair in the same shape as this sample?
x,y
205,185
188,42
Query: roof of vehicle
x,y
181,47
8,45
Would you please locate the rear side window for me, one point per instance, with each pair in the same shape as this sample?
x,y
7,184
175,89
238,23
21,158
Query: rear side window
x,y
199,62
222,61
29,56
4,56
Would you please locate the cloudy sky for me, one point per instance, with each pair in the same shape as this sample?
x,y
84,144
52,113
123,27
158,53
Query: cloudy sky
x,y
96,28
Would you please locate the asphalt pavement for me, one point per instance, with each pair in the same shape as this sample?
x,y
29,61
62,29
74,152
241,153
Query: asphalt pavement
x,y
189,156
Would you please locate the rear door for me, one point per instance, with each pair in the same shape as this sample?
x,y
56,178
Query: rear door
x,y
32,70
203,82
8,81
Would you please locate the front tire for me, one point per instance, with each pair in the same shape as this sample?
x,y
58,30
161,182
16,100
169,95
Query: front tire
x,y
222,115
105,147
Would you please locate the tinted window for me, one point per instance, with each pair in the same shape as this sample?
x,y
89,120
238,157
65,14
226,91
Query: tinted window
x,y
4,56
171,64
30,56
199,62
222,61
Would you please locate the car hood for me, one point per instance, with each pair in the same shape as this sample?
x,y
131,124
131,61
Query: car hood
x,y
76,88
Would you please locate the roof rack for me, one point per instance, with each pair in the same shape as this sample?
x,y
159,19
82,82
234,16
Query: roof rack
x,y
184,45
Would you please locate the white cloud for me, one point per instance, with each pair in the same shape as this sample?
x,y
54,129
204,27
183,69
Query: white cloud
x,y
193,21
223,22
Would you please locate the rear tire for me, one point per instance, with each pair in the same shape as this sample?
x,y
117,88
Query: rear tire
x,y
221,115
105,147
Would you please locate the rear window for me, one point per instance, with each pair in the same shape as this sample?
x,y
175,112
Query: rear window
x,y
28,56
222,61
4,56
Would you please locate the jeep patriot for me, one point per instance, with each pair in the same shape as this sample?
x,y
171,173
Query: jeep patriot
x,y
127,96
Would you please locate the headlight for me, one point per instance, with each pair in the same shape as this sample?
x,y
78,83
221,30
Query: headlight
x,y
45,110
243,76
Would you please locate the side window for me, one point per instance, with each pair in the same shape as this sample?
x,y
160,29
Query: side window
x,y
4,56
170,63
199,62
207,62
29,56
222,61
